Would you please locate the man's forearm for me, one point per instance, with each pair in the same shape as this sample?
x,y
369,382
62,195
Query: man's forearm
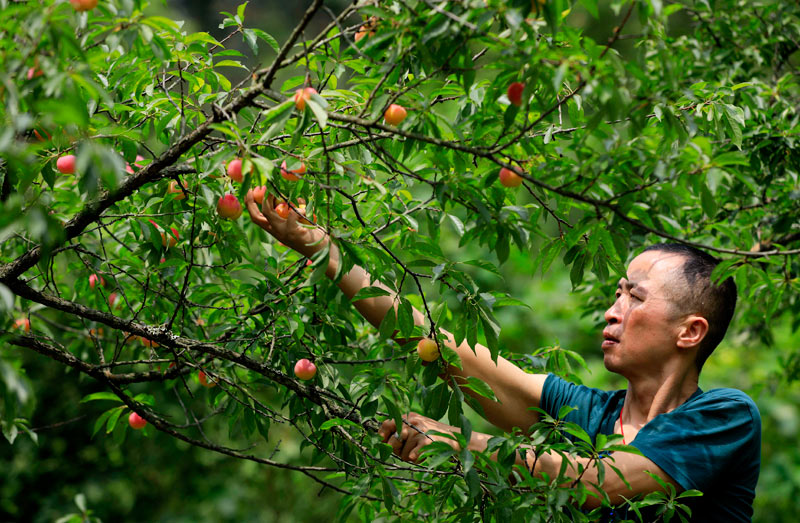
x,y
516,390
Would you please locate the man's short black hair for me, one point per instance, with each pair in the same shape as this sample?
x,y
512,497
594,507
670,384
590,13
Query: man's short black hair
x,y
716,303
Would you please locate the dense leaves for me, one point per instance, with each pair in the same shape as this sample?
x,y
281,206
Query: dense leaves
x,y
677,122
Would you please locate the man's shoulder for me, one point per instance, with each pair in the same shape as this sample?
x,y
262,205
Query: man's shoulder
x,y
722,397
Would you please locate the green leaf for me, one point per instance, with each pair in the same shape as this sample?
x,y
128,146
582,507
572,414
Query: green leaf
x,y
370,292
320,113
339,422
101,396
479,387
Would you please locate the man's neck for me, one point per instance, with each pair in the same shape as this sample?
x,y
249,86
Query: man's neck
x,y
647,398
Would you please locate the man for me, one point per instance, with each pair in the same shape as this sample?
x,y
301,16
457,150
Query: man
x,y
666,320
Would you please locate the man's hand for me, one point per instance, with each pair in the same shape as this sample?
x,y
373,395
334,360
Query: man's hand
x,y
290,231
414,435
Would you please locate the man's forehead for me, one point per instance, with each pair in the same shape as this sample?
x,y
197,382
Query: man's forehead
x,y
652,268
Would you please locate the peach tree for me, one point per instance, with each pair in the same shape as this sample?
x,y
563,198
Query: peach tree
x,y
676,122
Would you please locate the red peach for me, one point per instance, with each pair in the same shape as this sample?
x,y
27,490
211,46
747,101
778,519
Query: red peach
x,y
304,369
137,163
23,324
228,207
178,190
514,93
135,421
234,170
509,178
282,210
202,377
83,5
66,164
295,175
394,114
301,96
259,193
94,279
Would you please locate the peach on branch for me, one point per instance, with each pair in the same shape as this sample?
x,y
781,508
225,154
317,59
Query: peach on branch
x,y
178,190
23,324
66,164
83,5
204,380
234,170
282,210
259,193
148,342
428,350
137,163
367,29
509,178
136,422
95,280
301,96
294,175
33,72
304,369
173,237
228,207
394,114
514,93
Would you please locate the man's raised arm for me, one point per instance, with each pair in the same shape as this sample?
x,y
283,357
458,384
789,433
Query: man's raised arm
x,y
515,389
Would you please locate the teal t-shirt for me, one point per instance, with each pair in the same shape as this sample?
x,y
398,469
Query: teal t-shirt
x,y
711,443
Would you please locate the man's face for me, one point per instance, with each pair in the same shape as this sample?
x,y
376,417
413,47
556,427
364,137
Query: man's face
x,y
642,324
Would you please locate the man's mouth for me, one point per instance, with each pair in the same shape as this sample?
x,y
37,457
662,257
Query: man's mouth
x,y
609,340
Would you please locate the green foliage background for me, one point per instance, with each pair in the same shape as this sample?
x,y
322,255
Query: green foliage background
x,y
645,121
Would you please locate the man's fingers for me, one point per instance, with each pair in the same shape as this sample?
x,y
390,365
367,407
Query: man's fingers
x,y
268,204
255,214
388,428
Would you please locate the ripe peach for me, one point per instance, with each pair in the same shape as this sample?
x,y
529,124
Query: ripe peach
x,y
33,72
83,5
66,164
282,209
362,32
394,114
295,175
304,369
509,178
134,420
367,29
137,163
112,299
514,93
428,350
173,238
202,377
301,95
228,207
178,190
23,324
234,170
259,193
95,333
148,343
94,279
41,138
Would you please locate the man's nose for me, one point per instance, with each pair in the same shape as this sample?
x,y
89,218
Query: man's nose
x,y
612,314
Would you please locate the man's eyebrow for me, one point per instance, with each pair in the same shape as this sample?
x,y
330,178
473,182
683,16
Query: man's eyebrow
x,y
629,285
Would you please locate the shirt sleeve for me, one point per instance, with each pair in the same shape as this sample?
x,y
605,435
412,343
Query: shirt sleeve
x,y
589,404
704,439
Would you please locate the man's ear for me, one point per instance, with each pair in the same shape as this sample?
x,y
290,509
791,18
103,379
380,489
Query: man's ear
x,y
692,331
